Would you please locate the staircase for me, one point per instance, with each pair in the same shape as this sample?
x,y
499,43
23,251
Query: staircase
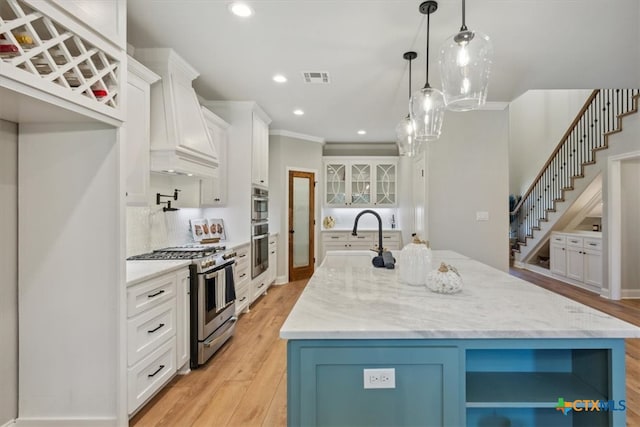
x,y
562,178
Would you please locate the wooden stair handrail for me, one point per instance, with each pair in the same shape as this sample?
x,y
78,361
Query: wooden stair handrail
x,y
557,149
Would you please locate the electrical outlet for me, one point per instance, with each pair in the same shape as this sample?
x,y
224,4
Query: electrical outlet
x,y
380,378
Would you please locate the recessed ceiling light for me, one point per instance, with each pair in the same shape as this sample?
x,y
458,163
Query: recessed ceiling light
x,y
240,9
298,112
362,132
189,174
279,78
170,171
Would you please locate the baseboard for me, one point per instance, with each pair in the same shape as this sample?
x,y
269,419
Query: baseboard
x,y
66,422
537,269
9,423
631,293
281,280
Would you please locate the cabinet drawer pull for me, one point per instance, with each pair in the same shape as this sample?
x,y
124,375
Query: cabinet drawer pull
x,y
242,256
157,370
161,325
156,294
593,244
573,241
243,298
335,237
261,285
386,237
242,275
273,252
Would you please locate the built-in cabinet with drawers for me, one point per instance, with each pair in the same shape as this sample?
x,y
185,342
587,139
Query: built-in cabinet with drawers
x,y
157,333
576,258
360,182
365,240
243,278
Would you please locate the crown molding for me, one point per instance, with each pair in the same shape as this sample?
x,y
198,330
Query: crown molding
x,y
310,138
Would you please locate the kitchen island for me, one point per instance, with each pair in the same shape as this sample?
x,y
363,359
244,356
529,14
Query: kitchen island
x,y
501,351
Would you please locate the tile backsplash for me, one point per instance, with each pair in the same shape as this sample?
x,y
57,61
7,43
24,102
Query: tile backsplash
x,y
151,228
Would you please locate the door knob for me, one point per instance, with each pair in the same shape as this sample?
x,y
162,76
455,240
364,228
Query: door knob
x,y
291,231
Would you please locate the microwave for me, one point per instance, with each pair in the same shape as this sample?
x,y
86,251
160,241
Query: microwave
x,y
259,204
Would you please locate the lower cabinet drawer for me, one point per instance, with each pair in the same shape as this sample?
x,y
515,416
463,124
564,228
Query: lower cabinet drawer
x,y
147,330
148,376
242,298
593,244
242,274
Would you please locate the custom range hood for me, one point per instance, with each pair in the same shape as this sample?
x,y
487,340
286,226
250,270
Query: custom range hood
x,y
180,141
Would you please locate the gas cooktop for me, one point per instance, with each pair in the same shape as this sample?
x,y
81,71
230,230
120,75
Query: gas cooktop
x,y
179,252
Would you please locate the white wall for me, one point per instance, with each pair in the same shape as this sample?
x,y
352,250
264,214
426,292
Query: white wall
x,y
537,121
630,178
297,154
468,172
70,269
8,271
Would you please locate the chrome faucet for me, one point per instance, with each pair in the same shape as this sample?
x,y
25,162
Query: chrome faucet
x,y
384,258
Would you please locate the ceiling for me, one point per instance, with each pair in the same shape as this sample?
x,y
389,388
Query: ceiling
x,y
538,44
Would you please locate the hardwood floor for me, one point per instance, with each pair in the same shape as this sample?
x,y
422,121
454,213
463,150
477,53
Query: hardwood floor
x,y
244,384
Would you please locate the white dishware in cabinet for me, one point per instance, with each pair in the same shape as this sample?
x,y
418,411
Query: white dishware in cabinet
x,y
360,182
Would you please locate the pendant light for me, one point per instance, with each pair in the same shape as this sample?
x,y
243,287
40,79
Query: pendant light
x,y
404,130
427,105
465,64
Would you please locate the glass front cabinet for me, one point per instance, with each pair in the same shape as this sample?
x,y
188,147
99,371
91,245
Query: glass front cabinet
x,y
358,182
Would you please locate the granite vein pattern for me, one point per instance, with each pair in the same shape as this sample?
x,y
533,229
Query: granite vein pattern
x,y
139,271
348,299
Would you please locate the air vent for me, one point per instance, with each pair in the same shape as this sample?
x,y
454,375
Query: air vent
x,y
321,77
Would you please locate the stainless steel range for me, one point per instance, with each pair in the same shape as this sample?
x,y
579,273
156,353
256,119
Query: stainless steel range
x,y
212,295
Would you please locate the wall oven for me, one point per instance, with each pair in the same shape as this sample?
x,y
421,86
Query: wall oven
x,y
259,248
259,204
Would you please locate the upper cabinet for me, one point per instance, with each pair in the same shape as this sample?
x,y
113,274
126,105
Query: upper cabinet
x,y
260,152
180,141
360,182
54,53
136,130
107,18
213,190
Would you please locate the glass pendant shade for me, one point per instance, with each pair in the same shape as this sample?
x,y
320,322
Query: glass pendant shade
x,y
404,134
427,113
465,64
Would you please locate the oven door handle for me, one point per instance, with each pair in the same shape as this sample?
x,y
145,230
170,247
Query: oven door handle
x,y
261,236
214,341
260,199
216,270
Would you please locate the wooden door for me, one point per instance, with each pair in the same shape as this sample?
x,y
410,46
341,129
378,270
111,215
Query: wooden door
x,y
301,224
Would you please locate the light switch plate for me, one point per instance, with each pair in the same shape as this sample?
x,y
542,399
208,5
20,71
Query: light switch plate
x,y
482,216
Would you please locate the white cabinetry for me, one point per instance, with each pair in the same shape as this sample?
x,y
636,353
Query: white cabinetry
x,y
108,18
62,59
213,190
157,336
242,278
272,272
136,131
558,254
360,182
577,259
183,333
365,240
260,152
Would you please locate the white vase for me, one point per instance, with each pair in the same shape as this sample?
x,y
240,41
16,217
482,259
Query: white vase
x,y
414,263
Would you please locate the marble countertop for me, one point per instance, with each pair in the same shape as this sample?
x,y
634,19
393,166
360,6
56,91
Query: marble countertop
x,y
348,299
360,229
139,271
